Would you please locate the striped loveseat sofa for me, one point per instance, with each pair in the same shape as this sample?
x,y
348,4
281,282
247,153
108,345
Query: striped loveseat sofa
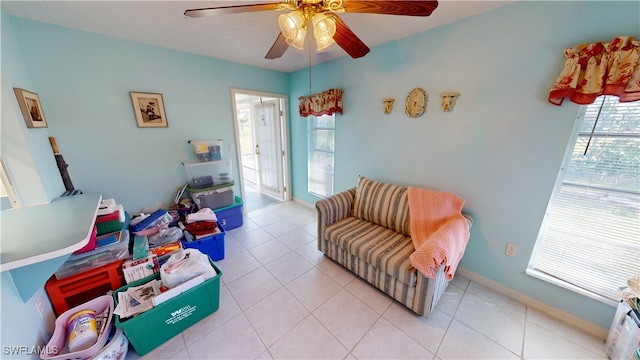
x,y
366,229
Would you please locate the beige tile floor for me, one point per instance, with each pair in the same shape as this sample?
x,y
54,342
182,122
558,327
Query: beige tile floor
x,y
280,298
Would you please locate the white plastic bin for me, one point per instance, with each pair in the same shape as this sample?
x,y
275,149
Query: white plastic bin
x,y
209,150
624,335
210,173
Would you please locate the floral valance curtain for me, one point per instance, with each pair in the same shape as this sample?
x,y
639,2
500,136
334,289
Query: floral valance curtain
x,y
325,103
599,69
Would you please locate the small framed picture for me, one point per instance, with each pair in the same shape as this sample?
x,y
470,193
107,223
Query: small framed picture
x,y
31,109
149,109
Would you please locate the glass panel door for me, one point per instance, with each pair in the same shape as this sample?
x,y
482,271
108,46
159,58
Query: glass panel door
x,y
266,120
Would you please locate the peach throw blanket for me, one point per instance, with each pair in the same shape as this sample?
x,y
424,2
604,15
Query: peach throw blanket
x,y
438,230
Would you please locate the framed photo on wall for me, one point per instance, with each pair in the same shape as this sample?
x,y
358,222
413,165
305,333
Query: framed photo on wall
x,y
31,109
149,109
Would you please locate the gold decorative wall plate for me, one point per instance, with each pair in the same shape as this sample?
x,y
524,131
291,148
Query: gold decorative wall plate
x,y
416,102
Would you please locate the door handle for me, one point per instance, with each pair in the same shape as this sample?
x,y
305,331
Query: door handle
x,y
257,150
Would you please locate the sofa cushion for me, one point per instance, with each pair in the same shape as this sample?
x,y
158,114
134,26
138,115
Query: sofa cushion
x,y
380,247
382,204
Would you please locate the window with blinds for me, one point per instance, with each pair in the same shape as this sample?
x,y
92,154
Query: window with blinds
x,y
590,238
321,153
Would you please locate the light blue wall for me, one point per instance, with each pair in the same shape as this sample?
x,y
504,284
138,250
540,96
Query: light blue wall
x,y
26,152
500,148
502,145
32,167
84,81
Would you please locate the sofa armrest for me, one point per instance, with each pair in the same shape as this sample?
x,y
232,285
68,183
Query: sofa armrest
x,y
335,207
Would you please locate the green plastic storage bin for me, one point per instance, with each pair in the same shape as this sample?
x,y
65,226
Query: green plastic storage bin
x,y
152,328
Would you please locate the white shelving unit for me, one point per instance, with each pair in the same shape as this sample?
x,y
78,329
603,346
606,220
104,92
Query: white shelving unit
x,y
37,239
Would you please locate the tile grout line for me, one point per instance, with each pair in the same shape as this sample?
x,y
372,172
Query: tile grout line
x,y
464,291
524,331
378,315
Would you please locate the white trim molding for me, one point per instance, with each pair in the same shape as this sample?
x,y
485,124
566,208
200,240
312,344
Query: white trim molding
x,y
556,313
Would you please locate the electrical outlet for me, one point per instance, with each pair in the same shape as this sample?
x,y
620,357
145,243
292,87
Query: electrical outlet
x,y
39,307
511,250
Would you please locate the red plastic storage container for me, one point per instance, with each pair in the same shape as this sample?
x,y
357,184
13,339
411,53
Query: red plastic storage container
x,y
77,289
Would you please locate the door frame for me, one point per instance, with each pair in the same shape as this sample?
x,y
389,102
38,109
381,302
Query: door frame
x,y
284,129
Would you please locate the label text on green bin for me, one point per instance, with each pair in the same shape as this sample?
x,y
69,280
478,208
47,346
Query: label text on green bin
x,y
180,314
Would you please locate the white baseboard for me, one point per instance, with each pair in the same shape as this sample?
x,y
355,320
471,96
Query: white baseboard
x,y
556,313
302,202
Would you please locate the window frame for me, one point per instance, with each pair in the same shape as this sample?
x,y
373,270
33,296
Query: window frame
x,y
313,149
558,186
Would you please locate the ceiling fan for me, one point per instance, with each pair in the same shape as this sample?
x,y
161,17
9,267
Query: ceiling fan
x,y
323,16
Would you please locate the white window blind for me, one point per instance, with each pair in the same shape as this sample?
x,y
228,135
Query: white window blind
x,y
321,153
590,238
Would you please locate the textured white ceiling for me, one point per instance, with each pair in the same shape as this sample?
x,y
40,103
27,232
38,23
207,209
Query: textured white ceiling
x,y
242,38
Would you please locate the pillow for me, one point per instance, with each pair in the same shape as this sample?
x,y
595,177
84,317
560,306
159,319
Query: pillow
x,y
383,204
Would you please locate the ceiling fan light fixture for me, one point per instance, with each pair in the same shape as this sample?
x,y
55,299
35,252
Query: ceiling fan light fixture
x,y
291,24
298,41
323,30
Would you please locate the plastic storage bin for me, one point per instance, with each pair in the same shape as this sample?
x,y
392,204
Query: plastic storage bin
x,y
108,223
212,245
231,216
55,349
104,255
212,197
624,334
207,150
77,289
150,329
210,173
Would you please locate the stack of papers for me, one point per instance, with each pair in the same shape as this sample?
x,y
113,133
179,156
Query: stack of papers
x,y
138,299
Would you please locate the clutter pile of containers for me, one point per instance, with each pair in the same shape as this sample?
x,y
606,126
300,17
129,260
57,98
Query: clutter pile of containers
x,y
153,271
210,179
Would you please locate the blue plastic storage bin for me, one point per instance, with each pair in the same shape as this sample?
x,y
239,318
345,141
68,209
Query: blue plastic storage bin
x,y
147,222
230,216
211,245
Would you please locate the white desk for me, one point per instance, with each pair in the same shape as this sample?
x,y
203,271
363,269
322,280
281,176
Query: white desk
x,y
37,239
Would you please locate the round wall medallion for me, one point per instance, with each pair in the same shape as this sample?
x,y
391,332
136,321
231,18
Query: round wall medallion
x,y
416,102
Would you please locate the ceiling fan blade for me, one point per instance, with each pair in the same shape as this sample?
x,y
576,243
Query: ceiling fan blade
x,y
393,7
346,39
278,48
223,10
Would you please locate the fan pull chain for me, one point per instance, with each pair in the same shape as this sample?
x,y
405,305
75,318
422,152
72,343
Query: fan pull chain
x,y
594,126
309,40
